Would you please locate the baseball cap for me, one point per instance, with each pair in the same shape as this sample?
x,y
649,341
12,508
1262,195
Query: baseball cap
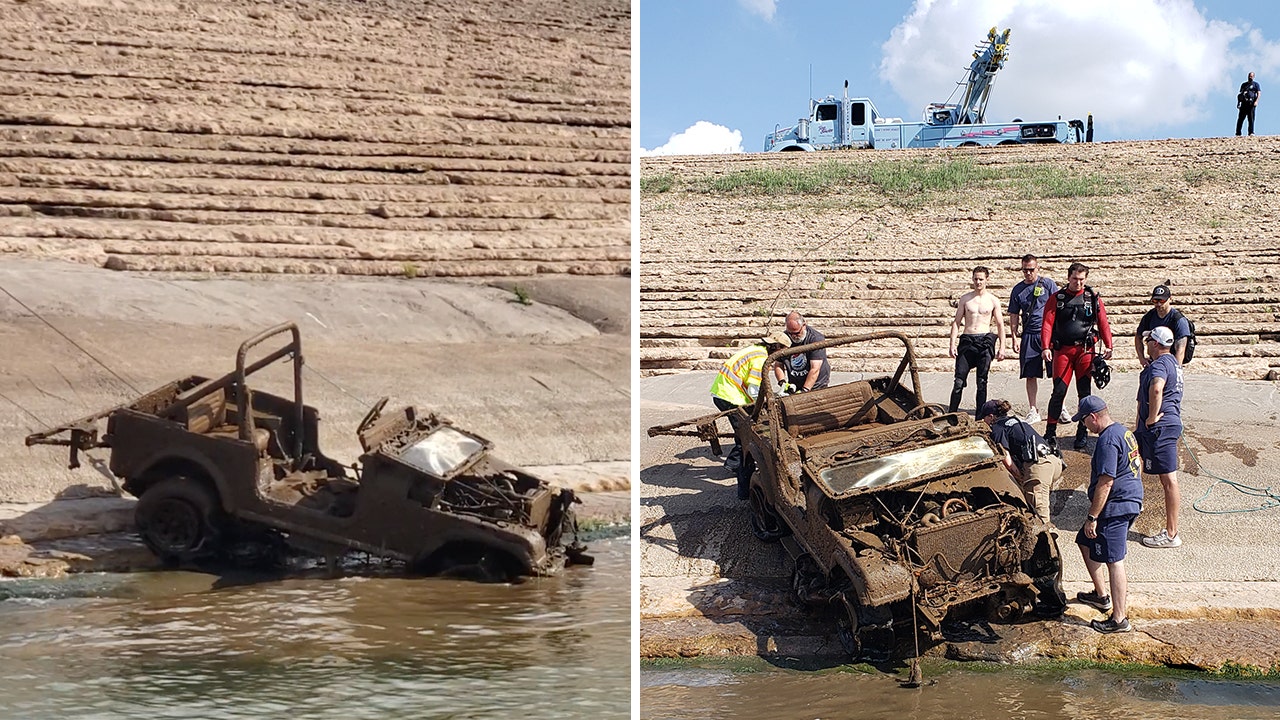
x,y
777,337
1160,292
990,407
1162,335
1088,404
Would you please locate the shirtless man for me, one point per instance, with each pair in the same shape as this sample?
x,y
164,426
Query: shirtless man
x,y
978,345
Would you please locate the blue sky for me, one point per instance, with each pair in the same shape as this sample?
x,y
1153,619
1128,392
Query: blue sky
x,y
716,75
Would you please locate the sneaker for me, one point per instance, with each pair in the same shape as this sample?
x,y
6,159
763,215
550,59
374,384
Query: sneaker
x,y
1033,417
1052,442
1082,437
1064,417
1162,540
1111,626
1092,600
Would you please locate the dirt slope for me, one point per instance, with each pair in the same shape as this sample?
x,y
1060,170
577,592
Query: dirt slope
x,y
868,240
387,137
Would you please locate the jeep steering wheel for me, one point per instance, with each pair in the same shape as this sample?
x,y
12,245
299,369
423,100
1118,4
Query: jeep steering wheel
x,y
370,417
927,410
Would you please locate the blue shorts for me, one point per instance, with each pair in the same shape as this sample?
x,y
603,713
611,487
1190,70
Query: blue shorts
x,y
1159,448
1031,366
1113,533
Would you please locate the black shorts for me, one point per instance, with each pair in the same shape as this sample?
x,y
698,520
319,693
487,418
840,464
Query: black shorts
x,y
1113,534
1031,365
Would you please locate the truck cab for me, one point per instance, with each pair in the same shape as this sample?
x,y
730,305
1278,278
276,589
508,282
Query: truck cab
x,y
832,123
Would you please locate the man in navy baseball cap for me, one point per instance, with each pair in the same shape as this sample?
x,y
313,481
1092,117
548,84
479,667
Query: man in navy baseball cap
x,y
1115,499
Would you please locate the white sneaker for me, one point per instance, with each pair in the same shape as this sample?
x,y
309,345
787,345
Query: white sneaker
x,y
1033,417
1162,540
1064,417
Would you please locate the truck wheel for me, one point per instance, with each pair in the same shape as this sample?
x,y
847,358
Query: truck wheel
x,y
847,626
472,562
765,523
178,519
864,632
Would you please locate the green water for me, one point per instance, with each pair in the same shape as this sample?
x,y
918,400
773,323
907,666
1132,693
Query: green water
x,y
753,690
187,645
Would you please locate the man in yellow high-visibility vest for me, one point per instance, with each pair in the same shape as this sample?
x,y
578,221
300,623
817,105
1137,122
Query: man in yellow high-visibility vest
x,y
737,385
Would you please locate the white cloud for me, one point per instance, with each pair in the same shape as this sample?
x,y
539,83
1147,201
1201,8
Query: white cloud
x,y
702,138
1140,64
763,8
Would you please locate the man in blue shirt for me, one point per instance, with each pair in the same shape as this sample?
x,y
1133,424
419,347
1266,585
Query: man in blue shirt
x,y
1159,426
1026,317
1247,102
1162,313
1115,499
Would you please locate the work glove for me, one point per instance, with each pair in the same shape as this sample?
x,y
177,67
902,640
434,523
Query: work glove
x,y
787,388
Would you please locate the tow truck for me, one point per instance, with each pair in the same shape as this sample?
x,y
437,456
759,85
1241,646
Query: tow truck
x,y
834,123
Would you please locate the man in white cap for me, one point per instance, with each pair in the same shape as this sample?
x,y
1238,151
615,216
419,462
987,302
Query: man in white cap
x,y
1159,426
1115,499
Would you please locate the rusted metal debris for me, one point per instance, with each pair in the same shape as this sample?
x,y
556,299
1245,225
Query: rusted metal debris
x,y
899,516
223,473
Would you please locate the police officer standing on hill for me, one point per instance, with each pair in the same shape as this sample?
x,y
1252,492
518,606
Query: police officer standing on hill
x,y
1247,101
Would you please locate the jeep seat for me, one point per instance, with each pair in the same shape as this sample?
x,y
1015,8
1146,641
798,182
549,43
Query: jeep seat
x,y
208,416
830,408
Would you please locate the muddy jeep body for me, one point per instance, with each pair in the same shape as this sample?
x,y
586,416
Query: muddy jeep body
x,y
217,466
897,513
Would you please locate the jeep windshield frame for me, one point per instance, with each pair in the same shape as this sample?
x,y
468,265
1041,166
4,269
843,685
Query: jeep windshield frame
x,y
768,389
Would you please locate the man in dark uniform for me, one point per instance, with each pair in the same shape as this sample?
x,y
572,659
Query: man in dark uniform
x,y
1074,320
1162,315
1247,101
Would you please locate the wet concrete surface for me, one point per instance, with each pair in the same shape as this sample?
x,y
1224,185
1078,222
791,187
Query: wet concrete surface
x,y
708,587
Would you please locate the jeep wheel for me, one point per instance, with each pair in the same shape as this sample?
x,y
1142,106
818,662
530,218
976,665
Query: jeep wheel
x,y
765,523
472,562
864,632
177,519
847,626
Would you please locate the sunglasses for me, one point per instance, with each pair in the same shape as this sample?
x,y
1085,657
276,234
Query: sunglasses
x,y
1160,301
1029,270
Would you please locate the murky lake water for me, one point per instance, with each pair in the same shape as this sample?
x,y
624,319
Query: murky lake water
x,y
186,645
1007,694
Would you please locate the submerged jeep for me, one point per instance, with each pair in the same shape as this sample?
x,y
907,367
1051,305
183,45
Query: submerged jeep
x,y
898,515
218,467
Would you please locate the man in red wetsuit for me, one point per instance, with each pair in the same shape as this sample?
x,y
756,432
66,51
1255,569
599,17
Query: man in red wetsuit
x,y
1074,320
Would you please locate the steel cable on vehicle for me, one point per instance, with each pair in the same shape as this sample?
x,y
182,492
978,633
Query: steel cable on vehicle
x,y
1273,498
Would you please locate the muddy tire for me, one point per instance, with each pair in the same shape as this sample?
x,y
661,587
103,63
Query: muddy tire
x,y
472,562
866,633
179,519
847,626
766,525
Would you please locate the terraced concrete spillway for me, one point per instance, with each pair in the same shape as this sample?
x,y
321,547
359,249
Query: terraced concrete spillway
x,y
385,137
862,241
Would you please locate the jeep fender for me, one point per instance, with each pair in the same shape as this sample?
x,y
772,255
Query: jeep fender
x,y
876,580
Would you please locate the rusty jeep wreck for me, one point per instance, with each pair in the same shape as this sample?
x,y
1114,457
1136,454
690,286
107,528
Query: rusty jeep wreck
x,y
898,515
218,467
